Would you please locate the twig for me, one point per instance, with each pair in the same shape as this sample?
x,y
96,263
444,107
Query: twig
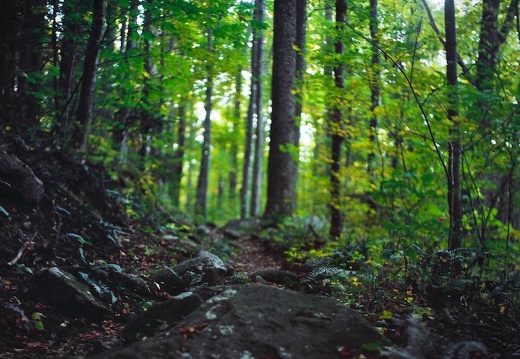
x,y
29,244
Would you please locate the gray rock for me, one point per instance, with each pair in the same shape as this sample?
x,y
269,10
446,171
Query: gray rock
x,y
183,245
207,269
19,177
239,228
131,282
66,292
259,321
277,276
164,313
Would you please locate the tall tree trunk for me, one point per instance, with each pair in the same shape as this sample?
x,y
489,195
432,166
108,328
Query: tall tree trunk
x,y
258,74
31,62
88,86
283,149
301,15
248,150
68,51
128,44
374,88
201,201
9,28
148,119
178,155
233,174
492,36
336,127
460,61
487,45
454,146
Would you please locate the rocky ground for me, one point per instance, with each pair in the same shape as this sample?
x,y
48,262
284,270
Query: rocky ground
x,y
79,277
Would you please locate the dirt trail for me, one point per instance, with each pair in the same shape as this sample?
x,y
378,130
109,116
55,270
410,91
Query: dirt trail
x,y
253,256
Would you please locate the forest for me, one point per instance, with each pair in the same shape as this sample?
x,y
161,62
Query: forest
x,y
379,137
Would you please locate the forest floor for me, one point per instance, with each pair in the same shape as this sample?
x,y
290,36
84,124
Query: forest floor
x,y
82,220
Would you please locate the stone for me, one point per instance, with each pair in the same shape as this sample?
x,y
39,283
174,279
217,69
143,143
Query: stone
x,y
239,228
164,313
205,269
257,321
20,178
277,276
66,292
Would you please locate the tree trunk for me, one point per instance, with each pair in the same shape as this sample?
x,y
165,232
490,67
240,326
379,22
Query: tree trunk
x,y
487,45
122,125
283,149
258,74
301,15
9,28
492,36
201,201
30,62
149,123
88,86
178,156
336,127
68,51
454,146
374,88
233,174
460,61
248,150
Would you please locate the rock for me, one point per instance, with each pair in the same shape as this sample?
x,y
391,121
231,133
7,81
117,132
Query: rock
x,y
66,292
183,245
256,321
239,228
206,269
165,313
19,177
131,282
276,276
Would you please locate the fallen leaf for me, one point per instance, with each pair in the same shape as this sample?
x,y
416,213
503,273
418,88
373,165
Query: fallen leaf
x,y
347,352
189,332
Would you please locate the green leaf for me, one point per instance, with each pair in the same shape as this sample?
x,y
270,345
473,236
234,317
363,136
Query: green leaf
x,y
149,36
39,326
386,315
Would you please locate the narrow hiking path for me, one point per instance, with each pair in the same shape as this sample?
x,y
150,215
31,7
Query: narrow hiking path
x,y
253,256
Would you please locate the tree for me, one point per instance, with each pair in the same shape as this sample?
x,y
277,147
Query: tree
x,y
282,169
178,156
128,47
337,126
202,183
88,84
30,62
258,78
374,86
454,145
72,28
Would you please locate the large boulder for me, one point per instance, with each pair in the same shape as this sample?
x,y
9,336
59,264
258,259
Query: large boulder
x,y
257,321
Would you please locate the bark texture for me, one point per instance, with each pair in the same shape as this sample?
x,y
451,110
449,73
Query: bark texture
x,y
88,86
337,132
283,148
454,146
